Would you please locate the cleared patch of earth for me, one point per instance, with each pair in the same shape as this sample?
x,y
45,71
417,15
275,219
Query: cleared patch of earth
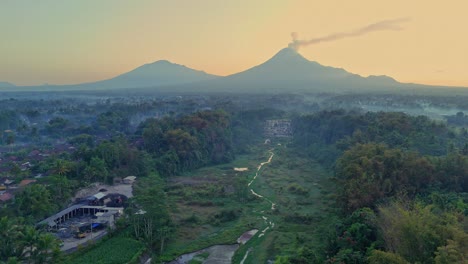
x,y
125,189
247,236
218,254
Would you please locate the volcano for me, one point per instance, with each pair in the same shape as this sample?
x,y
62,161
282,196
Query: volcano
x,y
288,65
288,71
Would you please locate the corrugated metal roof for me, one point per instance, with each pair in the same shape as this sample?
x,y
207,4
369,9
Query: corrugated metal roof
x,y
99,195
51,220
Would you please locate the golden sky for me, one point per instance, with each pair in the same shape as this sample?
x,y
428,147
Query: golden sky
x,y
69,41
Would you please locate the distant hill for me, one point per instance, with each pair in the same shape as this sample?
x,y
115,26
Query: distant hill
x,y
156,74
6,85
159,73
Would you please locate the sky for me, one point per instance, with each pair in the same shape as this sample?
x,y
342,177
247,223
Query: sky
x,y
69,41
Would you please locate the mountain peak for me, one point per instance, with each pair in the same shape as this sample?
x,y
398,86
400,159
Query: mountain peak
x,y
288,54
287,66
161,62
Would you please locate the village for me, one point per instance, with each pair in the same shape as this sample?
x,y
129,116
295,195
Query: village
x,y
15,170
90,217
90,214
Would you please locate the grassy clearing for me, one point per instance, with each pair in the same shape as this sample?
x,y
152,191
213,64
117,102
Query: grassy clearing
x,y
114,250
299,187
210,206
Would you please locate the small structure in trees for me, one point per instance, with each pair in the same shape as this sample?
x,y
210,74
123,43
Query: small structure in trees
x,y
129,179
278,128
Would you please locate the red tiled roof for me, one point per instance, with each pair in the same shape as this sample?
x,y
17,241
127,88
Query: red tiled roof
x,y
26,182
5,197
34,152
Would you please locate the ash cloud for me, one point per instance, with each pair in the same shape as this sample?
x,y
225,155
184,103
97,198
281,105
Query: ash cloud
x,y
384,25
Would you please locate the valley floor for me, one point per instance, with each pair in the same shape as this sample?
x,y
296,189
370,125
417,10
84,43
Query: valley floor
x,y
282,194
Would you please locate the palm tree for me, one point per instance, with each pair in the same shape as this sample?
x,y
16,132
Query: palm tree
x,y
47,249
8,238
29,240
62,167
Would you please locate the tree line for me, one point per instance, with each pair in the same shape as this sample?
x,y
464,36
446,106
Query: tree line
x,y
400,188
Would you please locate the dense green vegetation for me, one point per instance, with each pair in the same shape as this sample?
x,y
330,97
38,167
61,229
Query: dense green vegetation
x,y
401,186
189,142
148,215
166,147
326,134
349,187
23,243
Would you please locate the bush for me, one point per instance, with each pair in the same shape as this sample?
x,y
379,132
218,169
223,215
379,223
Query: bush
x,y
227,215
297,189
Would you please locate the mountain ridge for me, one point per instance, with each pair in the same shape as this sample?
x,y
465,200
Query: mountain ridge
x,y
286,71
289,71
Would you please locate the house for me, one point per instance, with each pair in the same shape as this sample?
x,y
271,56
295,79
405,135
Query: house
x,y
26,182
278,128
99,195
4,197
5,181
8,182
129,179
96,199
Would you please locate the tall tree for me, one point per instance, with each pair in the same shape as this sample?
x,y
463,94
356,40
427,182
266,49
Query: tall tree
x,y
149,216
34,202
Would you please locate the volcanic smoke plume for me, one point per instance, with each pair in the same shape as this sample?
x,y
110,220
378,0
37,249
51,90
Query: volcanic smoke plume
x,y
392,24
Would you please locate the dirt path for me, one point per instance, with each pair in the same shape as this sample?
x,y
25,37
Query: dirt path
x,y
255,177
269,224
223,253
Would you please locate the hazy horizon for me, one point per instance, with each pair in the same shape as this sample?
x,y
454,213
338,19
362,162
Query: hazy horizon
x,y
87,41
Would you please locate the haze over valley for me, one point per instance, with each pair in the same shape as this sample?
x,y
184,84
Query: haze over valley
x,y
169,132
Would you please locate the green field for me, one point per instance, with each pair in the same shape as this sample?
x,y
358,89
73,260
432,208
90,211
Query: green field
x,y
114,250
210,207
